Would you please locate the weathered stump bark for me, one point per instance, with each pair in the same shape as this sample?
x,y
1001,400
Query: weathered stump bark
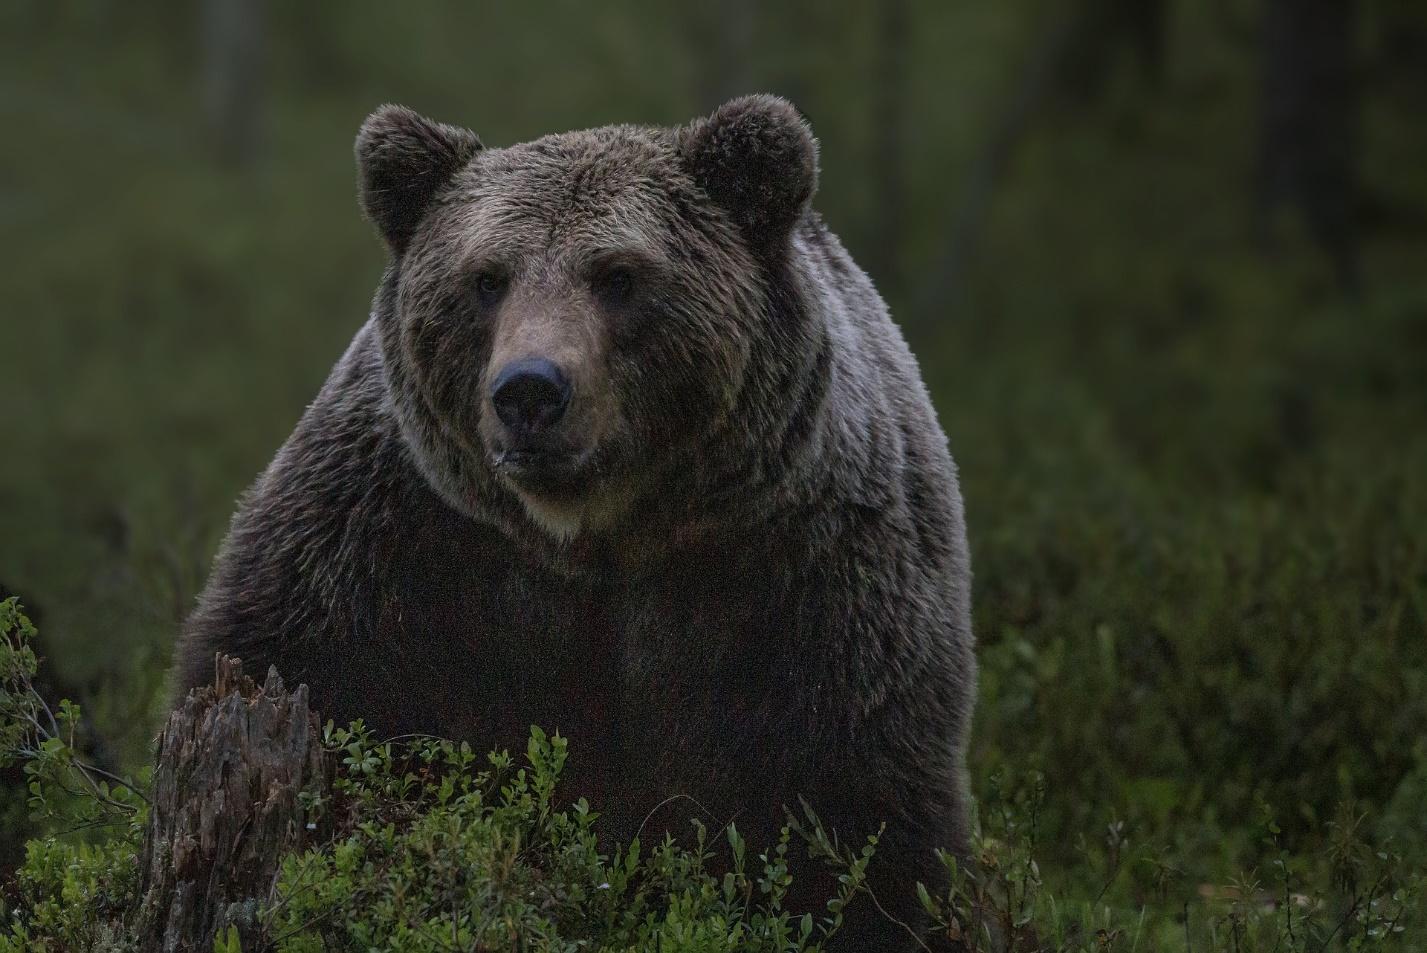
x,y
230,767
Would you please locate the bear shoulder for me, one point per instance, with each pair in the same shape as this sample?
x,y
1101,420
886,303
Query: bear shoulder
x,y
304,545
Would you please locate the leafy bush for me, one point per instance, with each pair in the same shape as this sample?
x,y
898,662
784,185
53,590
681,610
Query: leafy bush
x,y
434,854
69,894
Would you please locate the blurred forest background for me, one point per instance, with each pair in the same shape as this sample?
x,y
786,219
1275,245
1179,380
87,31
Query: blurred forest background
x,y
1164,264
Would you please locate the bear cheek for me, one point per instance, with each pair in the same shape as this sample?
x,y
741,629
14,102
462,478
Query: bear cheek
x,y
666,396
444,352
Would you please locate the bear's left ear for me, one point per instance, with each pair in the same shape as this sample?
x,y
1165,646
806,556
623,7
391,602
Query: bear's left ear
x,y
757,158
402,160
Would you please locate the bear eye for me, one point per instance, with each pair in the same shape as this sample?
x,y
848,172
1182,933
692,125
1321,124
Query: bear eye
x,y
615,284
490,285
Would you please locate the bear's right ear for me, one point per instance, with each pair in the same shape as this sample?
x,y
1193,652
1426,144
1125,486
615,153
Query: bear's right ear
x,y
402,159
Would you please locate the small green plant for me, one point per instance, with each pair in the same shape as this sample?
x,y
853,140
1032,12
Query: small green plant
x,y
64,788
436,850
1356,897
70,893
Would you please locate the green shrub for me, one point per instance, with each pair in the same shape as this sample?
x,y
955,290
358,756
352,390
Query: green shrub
x,y
436,851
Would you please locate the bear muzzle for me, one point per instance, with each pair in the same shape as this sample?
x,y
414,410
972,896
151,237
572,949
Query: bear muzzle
x,y
530,397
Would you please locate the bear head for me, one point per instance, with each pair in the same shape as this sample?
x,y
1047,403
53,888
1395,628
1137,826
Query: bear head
x,y
567,323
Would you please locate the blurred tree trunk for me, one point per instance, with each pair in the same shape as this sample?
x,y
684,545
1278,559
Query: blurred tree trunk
x,y
1148,27
720,36
1035,85
232,47
888,125
1308,123
1074,53
1106,31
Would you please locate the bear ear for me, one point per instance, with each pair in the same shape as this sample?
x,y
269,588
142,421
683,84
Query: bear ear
x,y
402,159
757,158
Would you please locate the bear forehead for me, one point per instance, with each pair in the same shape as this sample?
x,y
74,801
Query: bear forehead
x,y
611,157
619,186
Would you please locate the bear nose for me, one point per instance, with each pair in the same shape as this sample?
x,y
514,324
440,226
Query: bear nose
x,y
530,395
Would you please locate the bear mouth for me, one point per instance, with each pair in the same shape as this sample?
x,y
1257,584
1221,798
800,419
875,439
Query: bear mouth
x,y
544,471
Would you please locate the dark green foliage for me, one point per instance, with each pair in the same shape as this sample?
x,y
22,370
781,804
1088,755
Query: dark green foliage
x,y
1119,895
439,850
65,790
69,893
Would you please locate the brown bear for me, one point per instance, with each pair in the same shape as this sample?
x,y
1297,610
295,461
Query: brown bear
x,y
629,448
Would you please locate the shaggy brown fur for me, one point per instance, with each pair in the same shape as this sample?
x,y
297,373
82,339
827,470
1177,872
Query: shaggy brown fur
x,y
735,568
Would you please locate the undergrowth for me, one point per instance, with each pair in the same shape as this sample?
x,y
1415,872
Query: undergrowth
x,y
426,846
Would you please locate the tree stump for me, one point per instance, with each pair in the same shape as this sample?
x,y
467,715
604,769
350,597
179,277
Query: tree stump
x,y
225,808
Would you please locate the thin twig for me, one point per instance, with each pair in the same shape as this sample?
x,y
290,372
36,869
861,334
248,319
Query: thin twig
x,y
669,800
901,923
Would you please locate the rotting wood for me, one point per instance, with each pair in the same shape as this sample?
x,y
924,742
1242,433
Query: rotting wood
x,y
231,765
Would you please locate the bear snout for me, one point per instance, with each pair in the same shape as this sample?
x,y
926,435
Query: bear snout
x,y
530,396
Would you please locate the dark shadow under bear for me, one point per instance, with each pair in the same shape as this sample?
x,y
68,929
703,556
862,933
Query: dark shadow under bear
x,y
629,448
